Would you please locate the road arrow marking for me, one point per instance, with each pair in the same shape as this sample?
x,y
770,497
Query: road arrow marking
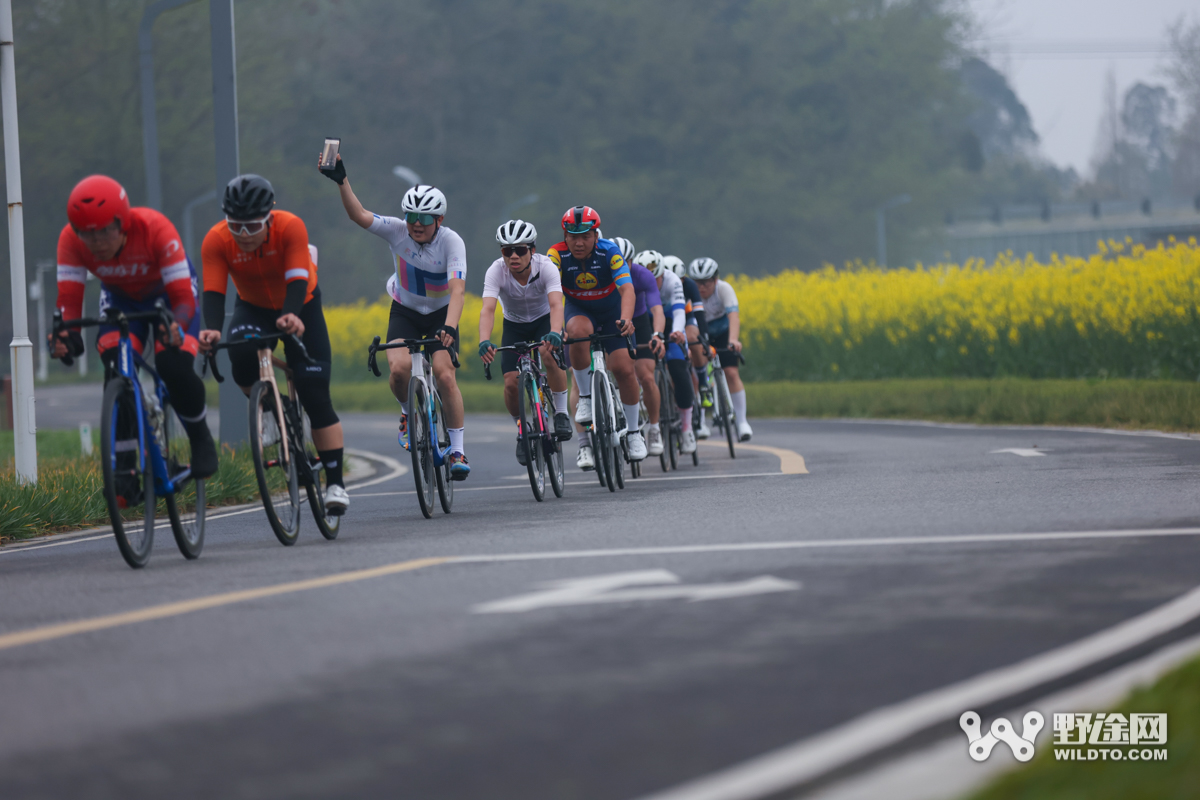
x,y
655,584
1025,452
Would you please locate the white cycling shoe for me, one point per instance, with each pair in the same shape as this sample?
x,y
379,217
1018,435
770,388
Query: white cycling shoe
x,y
654,444
744,431
336,500
583,411
688,443
584,460
703,432
637,446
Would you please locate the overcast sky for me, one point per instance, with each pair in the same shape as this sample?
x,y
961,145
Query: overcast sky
x,y
1065,94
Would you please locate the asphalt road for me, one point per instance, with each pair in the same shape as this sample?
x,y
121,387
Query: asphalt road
x,y
393,684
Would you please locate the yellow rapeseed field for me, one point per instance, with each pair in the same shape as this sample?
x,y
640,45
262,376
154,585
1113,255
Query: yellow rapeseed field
x,y
1126,311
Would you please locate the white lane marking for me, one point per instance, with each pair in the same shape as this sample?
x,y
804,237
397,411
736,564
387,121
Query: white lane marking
x,y
981,538
810,758
397,469
611,588
977,427
628,482
1024,452
790,462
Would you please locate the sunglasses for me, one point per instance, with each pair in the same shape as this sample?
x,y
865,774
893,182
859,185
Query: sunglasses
x,y
96,234
580,227
247,227
520,250
413,218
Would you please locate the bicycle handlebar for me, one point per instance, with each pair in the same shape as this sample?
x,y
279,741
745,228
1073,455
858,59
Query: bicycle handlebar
x,y
110,317
412,345
210,358
595,339
526,347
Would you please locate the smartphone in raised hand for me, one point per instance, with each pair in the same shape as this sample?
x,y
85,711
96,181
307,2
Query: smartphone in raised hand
x,y
330,152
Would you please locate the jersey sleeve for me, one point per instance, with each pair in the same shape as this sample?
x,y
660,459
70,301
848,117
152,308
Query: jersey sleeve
x,y
491,280
175,270
620,270
553,278
214,262
71,275
297,257
644,282
456,257
391,229
555,256
728,296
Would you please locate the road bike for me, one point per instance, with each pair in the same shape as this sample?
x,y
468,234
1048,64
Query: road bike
x,y
608,429
723,416
141,457
428,440
293,454
670,425
536,411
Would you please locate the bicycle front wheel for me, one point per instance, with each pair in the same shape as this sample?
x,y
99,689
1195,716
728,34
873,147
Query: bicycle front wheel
x,y
127,480
725,404
420,445
602,422
274,473
531,435
666,405
328,524
441,439
186,504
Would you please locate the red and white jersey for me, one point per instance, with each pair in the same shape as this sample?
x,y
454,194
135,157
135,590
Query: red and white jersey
x,y
151,264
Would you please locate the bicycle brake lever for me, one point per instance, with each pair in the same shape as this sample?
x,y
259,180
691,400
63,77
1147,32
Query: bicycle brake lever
x,y
453,356
371,362
487,371
212,360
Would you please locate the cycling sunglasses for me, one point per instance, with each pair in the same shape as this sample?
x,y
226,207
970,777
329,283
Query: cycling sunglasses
x,y
580,227
247,227
414,218
520,249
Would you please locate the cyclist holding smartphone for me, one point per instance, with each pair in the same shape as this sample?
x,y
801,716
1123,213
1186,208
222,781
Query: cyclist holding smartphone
x,y
274,270
427,288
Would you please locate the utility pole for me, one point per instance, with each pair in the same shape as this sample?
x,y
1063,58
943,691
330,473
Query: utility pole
x,y
21,349
881,227
149,112
234,428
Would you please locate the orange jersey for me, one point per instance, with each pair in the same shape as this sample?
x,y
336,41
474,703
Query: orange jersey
x,y
261,276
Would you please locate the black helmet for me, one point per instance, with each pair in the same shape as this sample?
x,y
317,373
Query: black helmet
x,y
248,197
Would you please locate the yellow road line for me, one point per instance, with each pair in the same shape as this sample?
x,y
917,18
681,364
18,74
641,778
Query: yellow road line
x,y
165,610
790,462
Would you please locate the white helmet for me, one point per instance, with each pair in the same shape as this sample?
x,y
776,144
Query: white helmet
x,y
649,259
424,199
675,264
516,231
701,269
626,248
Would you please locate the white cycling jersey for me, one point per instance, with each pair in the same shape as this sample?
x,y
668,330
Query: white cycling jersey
x,y
720,302
526,303
423,271
673,298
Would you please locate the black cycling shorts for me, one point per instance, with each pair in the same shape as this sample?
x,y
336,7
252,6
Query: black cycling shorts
x,y
404,323
312,380
721,342
515,332
643,329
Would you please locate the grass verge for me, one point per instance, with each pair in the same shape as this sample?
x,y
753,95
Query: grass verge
x,y
70,491
1162,405
1178,695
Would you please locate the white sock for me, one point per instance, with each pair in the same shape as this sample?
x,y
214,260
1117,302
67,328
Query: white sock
x,y
685,417
739,406
703,414
631,416
583,379
560,402
456,440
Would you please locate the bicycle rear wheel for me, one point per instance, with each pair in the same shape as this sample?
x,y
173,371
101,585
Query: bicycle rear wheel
x,y
186,504
267,431
328,524
127,482
531,436
602,421
420,445
553,449
441,439
725,404
666,406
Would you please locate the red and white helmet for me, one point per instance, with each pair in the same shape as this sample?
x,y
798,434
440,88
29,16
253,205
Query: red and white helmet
x,y
95,202
580,219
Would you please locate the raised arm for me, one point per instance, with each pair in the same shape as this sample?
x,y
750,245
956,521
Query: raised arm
x,y
354,208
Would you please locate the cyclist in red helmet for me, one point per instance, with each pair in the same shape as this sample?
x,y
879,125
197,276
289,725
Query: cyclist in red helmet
x,y
600,298
138,257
